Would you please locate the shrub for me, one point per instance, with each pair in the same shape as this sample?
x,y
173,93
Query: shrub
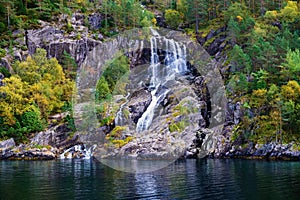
x,y
102,89
2,27
145,22
173,18
2,52
31,120
271,15
5,72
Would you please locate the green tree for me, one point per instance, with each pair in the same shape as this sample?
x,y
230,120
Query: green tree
x,y
290,13
260,79
115,69
102,89
13,99
240,61
196,12
173,18
238,84
293,61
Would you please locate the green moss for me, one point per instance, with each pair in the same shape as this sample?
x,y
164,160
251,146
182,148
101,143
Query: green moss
x,y
117,131
121,143
126,113
185,107
178,126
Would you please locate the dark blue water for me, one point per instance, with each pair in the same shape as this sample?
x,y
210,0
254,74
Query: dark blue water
x,y
190,179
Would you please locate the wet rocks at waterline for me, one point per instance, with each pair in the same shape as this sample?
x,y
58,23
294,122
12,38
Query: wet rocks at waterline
x,y
54,143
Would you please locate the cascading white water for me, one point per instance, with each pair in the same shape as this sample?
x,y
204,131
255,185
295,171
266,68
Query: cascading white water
x,y
154,62
119,120
78,151
175,63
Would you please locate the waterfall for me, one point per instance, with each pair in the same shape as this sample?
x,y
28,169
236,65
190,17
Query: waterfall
x,y
174,64
119,120
78,151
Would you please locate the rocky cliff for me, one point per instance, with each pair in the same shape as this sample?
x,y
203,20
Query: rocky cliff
x,y
78,42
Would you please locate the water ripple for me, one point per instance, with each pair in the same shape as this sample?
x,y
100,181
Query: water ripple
x,y
190,179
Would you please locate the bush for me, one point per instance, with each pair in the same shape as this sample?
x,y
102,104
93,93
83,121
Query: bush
x,y
5,72
2,52
2,27
28,122
173,18
290,13
31,120
115,70
145,22
271,15
102,89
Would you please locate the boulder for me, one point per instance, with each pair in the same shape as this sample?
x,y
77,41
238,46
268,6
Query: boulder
x,y
5,63
160,21
56,136
7,144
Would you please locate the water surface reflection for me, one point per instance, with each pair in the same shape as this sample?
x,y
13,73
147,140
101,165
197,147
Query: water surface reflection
x,y
184,179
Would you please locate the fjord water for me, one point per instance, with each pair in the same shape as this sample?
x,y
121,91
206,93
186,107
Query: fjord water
x,y
184,179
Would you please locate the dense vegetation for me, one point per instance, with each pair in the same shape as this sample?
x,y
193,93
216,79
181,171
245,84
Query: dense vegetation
x,y
37,89
262,51
264,73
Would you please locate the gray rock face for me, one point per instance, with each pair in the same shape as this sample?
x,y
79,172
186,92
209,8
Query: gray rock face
x,y
138,103
159,141
95,20
7,144
17,56
160,21
23,153
55,42
5,63
9,150
237,113
270,151
56,136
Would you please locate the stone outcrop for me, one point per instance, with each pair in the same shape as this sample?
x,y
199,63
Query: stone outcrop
x,y
7,144
270,151
45,145
55,42
68,34
9,151
57,136
138,103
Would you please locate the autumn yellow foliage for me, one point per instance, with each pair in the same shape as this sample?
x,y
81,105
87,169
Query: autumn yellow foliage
x,y
38,82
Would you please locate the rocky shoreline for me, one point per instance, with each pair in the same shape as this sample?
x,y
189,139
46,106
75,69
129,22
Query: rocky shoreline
x,y
46,145
72,148
271,151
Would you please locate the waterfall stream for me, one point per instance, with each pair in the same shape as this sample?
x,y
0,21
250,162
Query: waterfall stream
x,y
119,121
161,72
